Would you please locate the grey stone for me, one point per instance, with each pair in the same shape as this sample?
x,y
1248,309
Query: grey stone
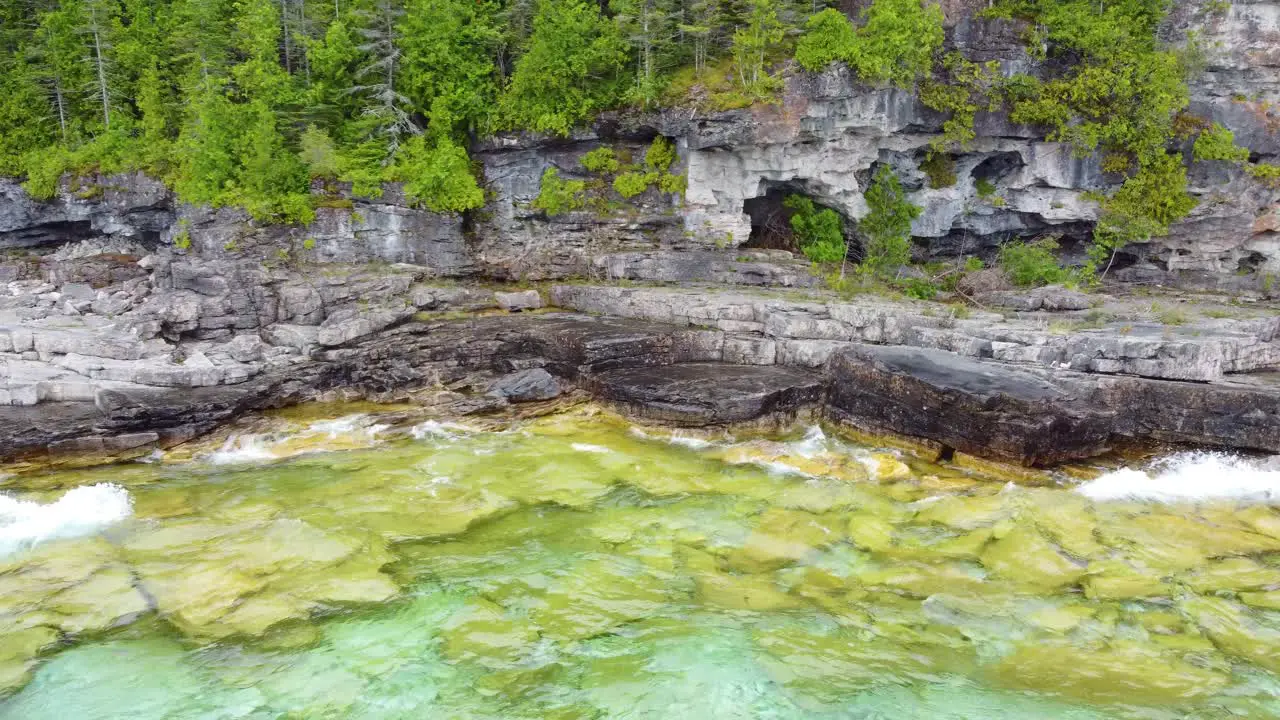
x,y
526,386
518,301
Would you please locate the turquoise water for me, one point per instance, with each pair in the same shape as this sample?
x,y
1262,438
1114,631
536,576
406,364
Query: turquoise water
x,y
577,568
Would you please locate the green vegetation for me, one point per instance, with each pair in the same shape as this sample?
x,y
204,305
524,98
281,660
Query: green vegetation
x,y
1219,143
557,196
1032,264
819,233
894,45
600,160
887,227
630,184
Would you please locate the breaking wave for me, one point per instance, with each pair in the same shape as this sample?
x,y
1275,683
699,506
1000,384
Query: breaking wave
x,y
80,511
1190,476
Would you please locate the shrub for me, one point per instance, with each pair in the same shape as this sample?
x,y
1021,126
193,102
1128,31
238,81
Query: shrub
x,y
985,188
1031,264
918,288
828,37
669,183
439,177
556,196
318,153
1268,173
600,160
887,226
895,44
1219,143
940,169
819,233
660,155
631,184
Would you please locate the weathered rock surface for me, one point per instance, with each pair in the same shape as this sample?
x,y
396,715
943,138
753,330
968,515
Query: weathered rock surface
x,y
710,393
795,330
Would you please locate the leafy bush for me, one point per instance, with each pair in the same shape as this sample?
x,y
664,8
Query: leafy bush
x,y
887,227
631,184
1219,143
439,178
318,153
1268,173
828,37
660,155
676,184
940,169
819,233
557,196
1031,264
918,288
600,160
985,188
895,44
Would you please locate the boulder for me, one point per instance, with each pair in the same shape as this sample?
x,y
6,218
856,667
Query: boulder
x,y
526,386
518,301
975,406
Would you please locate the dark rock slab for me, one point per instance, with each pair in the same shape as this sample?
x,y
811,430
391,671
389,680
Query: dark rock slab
x,y
526,386
979,407
710,393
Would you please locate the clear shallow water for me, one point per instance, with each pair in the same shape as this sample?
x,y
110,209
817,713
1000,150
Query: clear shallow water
x,y
578,568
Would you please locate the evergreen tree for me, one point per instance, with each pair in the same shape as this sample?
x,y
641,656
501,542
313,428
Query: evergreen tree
x,y
649,27
570,70
448,67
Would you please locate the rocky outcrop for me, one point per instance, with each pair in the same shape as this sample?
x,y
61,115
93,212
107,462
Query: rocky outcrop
x,y
1037,417
700,394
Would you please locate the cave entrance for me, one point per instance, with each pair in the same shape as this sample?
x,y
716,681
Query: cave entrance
x,y
771,218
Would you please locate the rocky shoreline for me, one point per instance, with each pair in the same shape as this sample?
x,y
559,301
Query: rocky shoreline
x,y
1008,388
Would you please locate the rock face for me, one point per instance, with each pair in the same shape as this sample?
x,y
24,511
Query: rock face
x,y
977,407
710,393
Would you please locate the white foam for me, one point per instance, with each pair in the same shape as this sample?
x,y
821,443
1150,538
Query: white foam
x,y
242,449
437,429
80,511
589,448
1187,477
814,442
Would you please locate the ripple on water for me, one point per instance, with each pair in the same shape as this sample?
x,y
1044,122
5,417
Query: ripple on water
x,y
580,568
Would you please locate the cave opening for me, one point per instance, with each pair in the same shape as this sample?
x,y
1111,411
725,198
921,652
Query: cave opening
x,y
771,218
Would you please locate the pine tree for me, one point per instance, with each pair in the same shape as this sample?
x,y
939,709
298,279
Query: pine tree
x,y
448,68
649,27
570,70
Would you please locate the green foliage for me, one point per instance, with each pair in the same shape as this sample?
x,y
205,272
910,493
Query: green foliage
x,y
660,155
897,41
753,42
895,44
973,264
1268,173
1219,143
676,184
1032,264
940,169
319,153
967,88
557,196
887,227
918,288
600,160
437,176
828,37
1143,208
819,233
630,184
570,71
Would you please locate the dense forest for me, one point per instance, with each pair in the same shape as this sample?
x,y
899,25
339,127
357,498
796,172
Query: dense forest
x,y
243,102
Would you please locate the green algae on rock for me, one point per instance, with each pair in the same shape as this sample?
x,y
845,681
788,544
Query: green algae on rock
x,y
569,567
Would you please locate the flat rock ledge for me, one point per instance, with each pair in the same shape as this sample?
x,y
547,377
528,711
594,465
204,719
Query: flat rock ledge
x,y
1035,416
1029,413
696,394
